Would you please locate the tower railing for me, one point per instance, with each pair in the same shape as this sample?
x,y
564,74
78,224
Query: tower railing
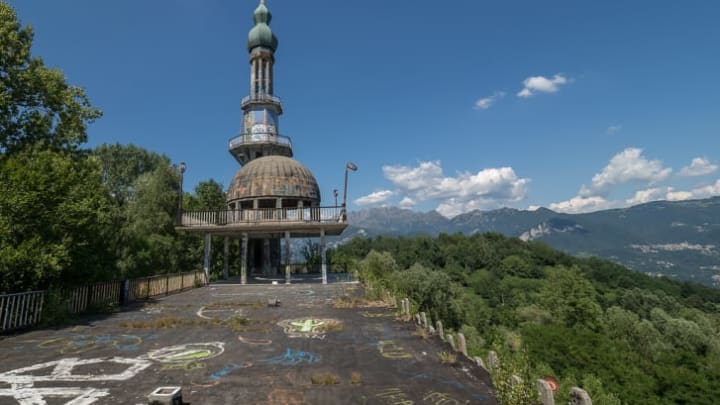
x,y
265,137
261,215
260,98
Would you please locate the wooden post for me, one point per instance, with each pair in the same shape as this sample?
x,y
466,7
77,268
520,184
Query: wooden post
x,y
226,256
243,259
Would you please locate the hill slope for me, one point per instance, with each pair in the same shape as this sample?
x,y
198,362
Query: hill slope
x,y
674,239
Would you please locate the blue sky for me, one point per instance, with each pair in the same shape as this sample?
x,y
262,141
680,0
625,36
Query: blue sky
x,y
573,105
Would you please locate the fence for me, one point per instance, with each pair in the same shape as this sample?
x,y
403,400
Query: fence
x,y
20,310
458,344
23,310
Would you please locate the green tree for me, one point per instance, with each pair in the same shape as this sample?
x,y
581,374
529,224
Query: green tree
x,y
54,222
122,165
570,297
37,106
149,242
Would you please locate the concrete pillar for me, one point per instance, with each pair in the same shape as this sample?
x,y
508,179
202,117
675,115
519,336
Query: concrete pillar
x,y
462,344
451,340
288,276
423,320
440,330
244,259
546,393
206,261
323,257
253,67
259,77
266,257
579,396
267,76
492,360
479,361
226,257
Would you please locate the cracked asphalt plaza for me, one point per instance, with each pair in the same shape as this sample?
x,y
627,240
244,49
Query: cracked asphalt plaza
x,y
223,344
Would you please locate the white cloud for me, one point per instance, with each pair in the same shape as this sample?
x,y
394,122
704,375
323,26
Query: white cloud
x,y
580,204
540,84
407,202
466,191
699,166
485,103
374,198
710,190
650,194
613,129
671,194
627,166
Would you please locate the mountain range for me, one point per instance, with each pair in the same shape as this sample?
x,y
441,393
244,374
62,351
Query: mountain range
x,y
677,239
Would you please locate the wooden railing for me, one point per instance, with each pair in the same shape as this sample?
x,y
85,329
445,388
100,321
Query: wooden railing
x,y
148,287
22,310
228,217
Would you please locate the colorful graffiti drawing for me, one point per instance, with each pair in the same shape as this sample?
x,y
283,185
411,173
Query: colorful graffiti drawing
x,y
394,396
187,352
308,327
392,350
82,343
255,342
219,314
22,380
293,358
439,398
216,376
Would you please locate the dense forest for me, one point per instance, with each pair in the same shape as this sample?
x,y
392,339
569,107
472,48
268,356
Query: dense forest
x,y
68,214
625,337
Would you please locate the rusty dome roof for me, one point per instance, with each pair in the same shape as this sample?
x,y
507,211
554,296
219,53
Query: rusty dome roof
x,y
274,176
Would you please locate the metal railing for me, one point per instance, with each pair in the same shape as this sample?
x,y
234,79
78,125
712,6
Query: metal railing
x,y
261,98
81,299
20,310
254,216
262,137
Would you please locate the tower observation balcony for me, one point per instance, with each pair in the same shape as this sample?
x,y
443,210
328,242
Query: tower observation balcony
x,y
246,147
261,98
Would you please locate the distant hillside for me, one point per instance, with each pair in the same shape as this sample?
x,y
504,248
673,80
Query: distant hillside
x,y
675,239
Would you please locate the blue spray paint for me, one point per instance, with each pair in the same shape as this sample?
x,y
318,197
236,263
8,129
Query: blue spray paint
x,y
293,358
224,372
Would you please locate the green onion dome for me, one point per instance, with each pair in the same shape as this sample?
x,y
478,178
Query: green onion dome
x,y
261,35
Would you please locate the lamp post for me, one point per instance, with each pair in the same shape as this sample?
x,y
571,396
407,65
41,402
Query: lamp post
x,y
349,166
181,170
335,194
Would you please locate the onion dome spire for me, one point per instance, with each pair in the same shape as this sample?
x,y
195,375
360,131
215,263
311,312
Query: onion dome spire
x,y
261,35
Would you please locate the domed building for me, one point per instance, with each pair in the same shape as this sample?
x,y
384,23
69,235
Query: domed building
x,y
272,197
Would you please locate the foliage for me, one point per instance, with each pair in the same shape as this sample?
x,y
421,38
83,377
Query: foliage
x,y
623,336
54,220
37,106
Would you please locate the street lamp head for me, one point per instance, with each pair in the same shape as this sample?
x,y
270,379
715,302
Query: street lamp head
x,y
182,167
351,166
335,193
